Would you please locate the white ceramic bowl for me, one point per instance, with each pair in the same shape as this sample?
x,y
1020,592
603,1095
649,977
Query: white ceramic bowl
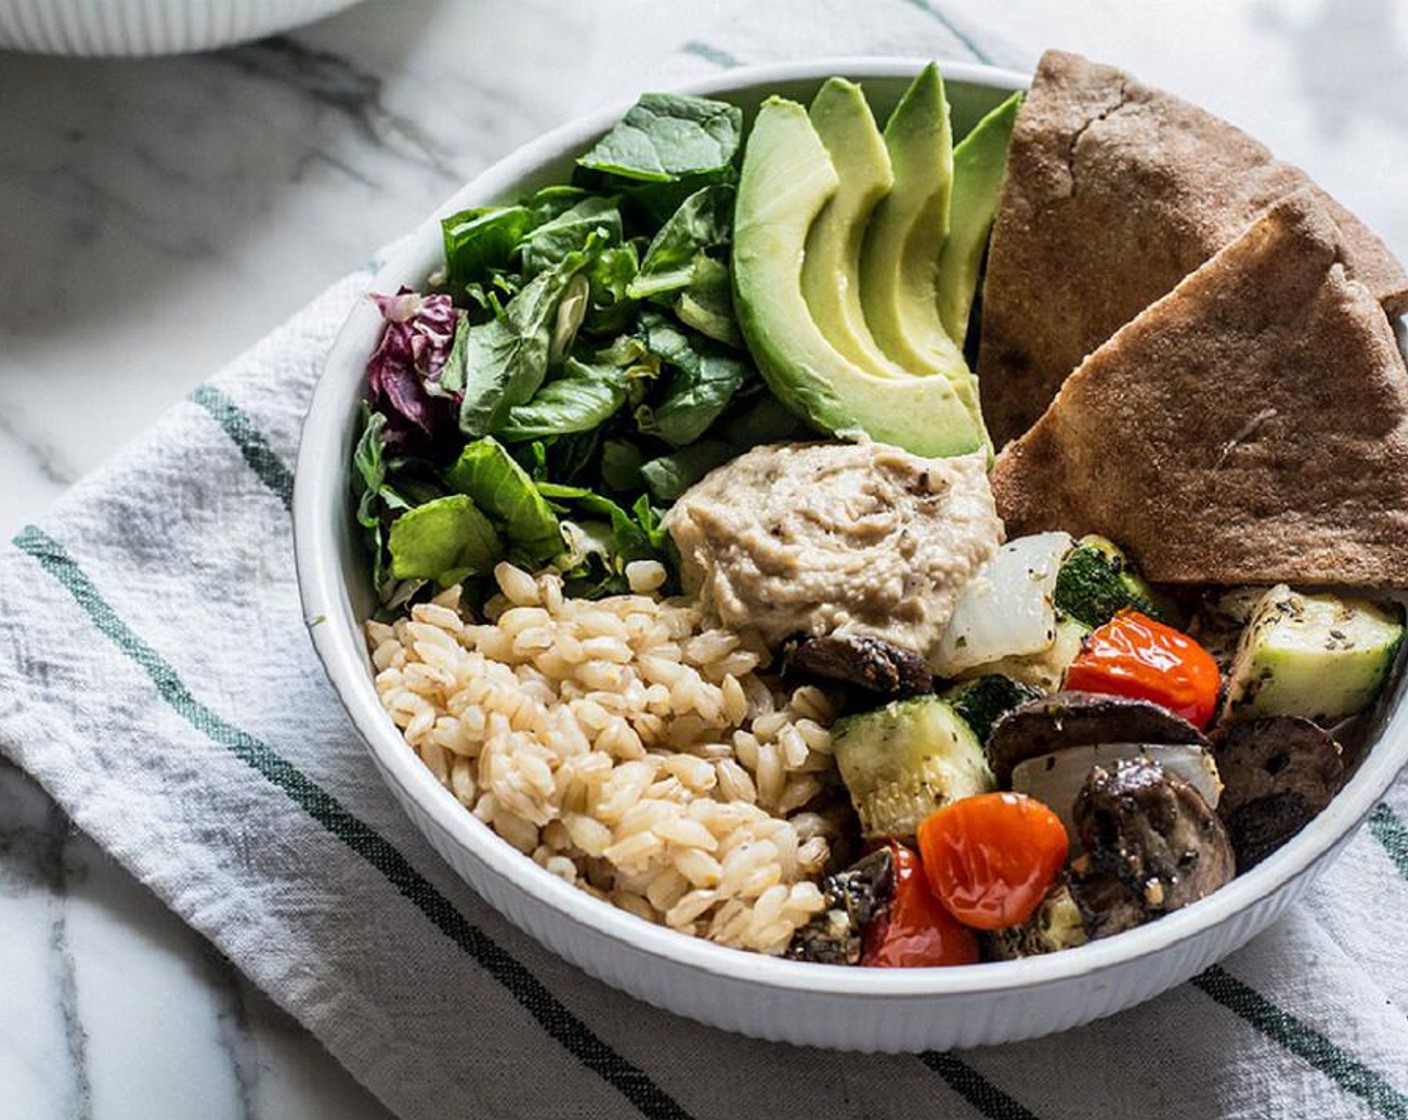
x,y
822,1005
143,27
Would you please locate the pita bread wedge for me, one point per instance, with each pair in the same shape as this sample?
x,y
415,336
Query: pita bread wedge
x,y
1114,193
1250,427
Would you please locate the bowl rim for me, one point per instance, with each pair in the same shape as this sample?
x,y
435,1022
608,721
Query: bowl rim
x,y
320,487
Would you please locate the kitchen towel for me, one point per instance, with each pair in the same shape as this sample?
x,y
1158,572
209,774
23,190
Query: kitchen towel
x,y
156,678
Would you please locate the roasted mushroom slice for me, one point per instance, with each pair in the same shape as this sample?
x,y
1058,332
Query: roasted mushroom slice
x,y
1152,845
1278,773
871,664
1081,719
853,897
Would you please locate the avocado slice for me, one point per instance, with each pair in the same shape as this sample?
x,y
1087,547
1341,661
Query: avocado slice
x,y
831,265
787,179
978,165
900,257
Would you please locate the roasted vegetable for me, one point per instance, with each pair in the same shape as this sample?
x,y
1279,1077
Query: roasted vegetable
x,y
1005,610
982,702
1079,719
904,760
1097,581
1045,671
914,930
992,858
1319,656
853,898
1056,779
1055,925
1152,845
1133,655
867,663
1279,773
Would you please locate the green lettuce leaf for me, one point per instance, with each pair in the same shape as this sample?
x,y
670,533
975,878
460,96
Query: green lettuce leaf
x,y
707,304
704,221
549,244
585,396
501,363
482,240
665,137
620,464
704,380
486,473
669,476
445,540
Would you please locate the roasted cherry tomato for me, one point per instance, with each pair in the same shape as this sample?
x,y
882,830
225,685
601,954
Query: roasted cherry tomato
x,y
992,858
916,931
1132,655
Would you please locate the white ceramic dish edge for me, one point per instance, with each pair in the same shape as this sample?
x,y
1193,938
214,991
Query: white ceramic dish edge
x,y
149,27
886,1010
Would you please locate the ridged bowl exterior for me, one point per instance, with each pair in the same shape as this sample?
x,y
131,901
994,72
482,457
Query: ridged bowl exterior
x,y
148,27
820,1005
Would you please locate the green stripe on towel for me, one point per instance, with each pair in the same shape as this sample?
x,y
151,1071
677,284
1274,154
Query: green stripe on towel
x,y
969,1084
1283,1028
1388,829
262,459
630,1080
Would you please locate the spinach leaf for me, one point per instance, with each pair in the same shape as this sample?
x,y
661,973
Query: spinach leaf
x,y
705,378
765,420
665,137
374,496
486,473
620,465
483,239
704,221
550,202
671,475
585,396
550,243
610,308
445,540
501,363
707,304
630,539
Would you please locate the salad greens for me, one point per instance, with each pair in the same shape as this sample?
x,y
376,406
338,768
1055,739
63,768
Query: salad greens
x,y
573,369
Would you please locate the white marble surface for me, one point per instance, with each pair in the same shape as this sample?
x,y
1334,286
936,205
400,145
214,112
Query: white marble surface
x,y
157,217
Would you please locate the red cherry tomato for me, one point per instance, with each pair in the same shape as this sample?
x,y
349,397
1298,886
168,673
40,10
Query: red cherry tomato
x,y
992,858
916,931
1132,655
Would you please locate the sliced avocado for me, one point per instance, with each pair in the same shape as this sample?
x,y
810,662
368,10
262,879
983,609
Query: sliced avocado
x,y
831,265
1319,656
786,180
900,256
903,761
978,164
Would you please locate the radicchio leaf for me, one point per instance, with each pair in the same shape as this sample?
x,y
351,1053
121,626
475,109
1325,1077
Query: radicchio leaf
x,y
404,373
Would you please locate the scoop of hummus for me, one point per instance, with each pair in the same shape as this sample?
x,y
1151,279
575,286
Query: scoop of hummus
x,y
826,538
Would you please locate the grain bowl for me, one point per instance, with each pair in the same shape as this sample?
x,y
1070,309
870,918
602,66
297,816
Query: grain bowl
x,y
435,688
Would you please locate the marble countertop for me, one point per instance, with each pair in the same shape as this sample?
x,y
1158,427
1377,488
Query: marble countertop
x,y
157,217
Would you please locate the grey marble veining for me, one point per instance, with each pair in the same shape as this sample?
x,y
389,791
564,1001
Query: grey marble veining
x,y
157,217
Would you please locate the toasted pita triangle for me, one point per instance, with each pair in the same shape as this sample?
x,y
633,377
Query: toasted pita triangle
x,y
1250,427
1114,193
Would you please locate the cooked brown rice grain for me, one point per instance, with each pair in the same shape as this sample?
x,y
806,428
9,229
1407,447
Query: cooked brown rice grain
x,y
625,747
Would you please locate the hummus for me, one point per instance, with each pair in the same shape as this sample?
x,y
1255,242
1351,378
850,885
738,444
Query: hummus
x,y
822,538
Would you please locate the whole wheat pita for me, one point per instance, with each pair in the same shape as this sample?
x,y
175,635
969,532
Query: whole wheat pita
x,y
1250,427
1114,193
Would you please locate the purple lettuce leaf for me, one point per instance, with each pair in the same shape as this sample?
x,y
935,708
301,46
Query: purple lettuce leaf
x,y
403,376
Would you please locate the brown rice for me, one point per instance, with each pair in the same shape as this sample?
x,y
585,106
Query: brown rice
x,y
626,747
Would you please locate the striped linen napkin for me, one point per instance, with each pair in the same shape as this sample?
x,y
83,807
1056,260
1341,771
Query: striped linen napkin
x,y
156,678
